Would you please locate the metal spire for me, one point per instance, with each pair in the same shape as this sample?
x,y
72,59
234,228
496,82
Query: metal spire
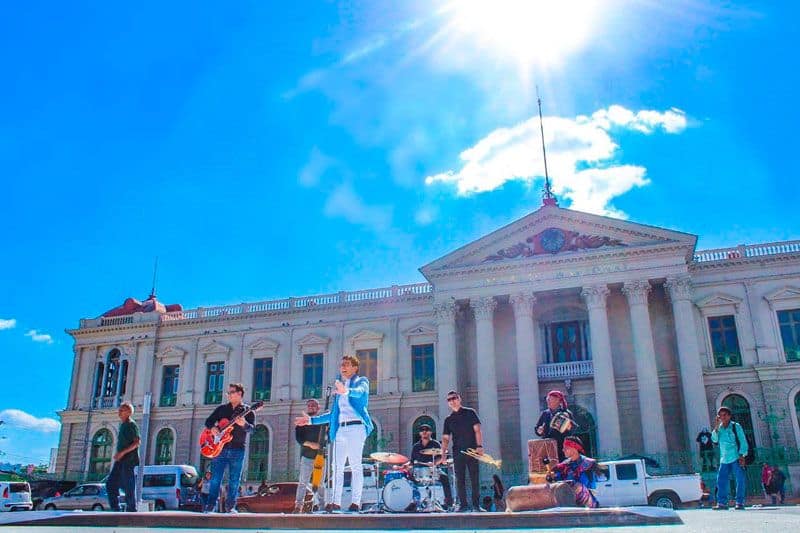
x,y
548,198
155,274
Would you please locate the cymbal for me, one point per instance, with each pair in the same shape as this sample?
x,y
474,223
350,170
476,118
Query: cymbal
x,y
431,451
389,457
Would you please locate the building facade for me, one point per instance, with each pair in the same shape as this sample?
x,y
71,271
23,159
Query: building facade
x,y
646,335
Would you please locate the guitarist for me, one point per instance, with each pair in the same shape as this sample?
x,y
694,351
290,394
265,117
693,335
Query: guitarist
x,y
311,440
232,455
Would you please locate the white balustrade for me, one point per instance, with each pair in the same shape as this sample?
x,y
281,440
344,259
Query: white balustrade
x,y
746,251
572,369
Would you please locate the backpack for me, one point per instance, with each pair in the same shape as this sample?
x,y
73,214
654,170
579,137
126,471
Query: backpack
x,y
751,446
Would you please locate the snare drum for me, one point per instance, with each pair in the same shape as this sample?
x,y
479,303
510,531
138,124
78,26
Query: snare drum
x,y
422,475
400,495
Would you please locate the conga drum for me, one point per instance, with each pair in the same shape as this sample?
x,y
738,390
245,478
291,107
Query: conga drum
x,y
540,496
539,449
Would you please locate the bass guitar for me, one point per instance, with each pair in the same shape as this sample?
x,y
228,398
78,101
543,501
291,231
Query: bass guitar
x,y
211,445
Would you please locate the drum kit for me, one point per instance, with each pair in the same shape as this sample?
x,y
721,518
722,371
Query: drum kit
x,y
411,486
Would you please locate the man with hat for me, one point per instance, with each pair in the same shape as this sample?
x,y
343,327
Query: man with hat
x,y
426,442
556,406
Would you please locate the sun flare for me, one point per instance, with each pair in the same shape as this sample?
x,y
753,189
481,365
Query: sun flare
x,y
531,32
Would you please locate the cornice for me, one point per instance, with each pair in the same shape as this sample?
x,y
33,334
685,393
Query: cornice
x,y
745,262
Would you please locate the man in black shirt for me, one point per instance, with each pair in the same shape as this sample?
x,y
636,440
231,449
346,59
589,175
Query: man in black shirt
x,y
232,454
556,406
418,458
311,438
464,427
126,458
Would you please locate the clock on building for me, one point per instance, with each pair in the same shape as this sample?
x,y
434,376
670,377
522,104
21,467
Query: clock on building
x,y
552,240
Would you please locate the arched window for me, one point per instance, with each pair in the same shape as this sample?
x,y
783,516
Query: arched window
x,y
424,419
112,374
98,380
164,441
100,454
258,462
586,428
740,412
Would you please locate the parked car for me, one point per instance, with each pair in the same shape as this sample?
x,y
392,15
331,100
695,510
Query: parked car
x,y
47,488
169,486
15,496
89,497
627,483
275,498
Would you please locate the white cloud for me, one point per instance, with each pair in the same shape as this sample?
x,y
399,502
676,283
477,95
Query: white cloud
x,y
8,323
318,163
344,202
426,215
21,419
36,336
580,156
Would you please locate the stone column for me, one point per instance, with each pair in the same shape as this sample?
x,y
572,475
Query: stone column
x,y
76,375
527,367
644,352
489,411
605,388
446,375
387,361
695,403
88,376
186,378
766,350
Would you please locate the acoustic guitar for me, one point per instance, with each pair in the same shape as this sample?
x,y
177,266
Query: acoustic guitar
x,y
211,445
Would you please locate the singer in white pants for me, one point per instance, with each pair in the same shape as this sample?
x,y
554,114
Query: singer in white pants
x,y
348,447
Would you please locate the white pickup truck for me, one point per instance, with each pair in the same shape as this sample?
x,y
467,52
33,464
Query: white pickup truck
x,y
628,483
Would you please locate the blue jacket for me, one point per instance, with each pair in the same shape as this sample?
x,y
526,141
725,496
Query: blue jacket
x,y
358,395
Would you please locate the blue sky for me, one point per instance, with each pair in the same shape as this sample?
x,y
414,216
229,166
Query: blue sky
x,y
265,150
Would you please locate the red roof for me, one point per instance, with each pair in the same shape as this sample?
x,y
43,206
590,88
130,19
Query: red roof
x,y
132,305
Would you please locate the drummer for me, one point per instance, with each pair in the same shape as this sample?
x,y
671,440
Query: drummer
x,y
418,458
556,405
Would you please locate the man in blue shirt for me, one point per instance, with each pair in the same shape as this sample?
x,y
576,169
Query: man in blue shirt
x,y
350,424
732,451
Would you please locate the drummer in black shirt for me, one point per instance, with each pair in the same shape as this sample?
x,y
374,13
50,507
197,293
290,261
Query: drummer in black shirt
x,y
425,442
464,427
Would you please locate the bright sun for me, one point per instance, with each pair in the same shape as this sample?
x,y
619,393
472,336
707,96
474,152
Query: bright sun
x,y
539,32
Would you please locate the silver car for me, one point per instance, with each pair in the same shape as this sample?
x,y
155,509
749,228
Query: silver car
x,y
89,497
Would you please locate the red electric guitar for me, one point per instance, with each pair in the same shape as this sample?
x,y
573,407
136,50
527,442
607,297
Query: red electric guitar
x,y
210,445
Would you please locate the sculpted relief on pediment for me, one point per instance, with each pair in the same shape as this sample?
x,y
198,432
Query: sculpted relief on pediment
x,y
553,241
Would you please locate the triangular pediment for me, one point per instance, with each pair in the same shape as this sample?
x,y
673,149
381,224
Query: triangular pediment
x,y
553,231
264,344
420,331
313,339
214,347
366,335
718,299
171,351
784,293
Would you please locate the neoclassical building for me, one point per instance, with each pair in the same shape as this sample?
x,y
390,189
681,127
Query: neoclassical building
x,y
645,334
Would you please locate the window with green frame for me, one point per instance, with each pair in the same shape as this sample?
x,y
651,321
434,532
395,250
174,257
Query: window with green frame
x,y
215,377
169,386
258,459
312,375
100,454
724,341
164,441
789,322
262,379
368,367
422,368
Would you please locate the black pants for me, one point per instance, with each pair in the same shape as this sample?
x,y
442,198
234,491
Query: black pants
x,y
448,492
461,464
121,477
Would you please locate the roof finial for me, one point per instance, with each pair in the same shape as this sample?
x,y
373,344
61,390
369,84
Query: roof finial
x,y
155,274
548,198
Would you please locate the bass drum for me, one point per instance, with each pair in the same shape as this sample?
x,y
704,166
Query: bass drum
x,y
400,495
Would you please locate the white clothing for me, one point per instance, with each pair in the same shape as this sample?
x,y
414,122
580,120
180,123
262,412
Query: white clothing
x,y
348,446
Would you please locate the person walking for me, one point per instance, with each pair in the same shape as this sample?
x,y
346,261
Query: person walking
x,y
732,452
125,460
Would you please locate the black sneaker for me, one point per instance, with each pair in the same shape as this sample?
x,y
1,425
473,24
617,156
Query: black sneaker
x,y
739,507
354,508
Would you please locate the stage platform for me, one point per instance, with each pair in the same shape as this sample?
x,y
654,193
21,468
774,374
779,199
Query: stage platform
x,y
551,518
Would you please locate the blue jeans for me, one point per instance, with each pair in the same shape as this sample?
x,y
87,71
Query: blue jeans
x,y
231,458
121,477
723,482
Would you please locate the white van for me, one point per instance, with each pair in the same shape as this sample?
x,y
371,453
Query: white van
x,y
169,486
15,496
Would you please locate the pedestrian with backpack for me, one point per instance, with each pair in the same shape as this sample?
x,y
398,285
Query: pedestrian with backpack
x,y
733,451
